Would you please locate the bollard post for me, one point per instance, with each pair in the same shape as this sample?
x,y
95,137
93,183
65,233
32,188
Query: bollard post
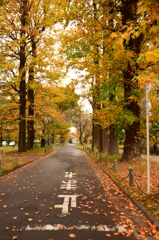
x,y
0,164
2,152
45,150
115,166
100,156
93,152
130,176
106,160
31,150
96,154
16,159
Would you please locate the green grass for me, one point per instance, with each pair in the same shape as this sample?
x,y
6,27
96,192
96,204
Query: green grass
x,y
8,148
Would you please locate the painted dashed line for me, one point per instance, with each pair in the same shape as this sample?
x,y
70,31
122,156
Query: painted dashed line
x,y
59,227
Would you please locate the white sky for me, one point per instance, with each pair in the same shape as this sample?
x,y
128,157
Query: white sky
x,y
73,75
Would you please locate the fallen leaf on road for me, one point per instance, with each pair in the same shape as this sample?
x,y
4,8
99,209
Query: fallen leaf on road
x,y
108,235
15,237
61,227
26,214
37,213
14,218
7,228
47,215
70,228
104,214
116,234
6,213
25,201
72,235
30,219
4,206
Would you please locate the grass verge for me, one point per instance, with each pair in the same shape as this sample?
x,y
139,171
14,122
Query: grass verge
x,y
12,159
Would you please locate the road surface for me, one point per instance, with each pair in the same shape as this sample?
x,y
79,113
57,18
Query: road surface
x,y
64,196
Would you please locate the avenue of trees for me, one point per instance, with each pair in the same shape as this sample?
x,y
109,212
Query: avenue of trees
x,y
116,43
35,101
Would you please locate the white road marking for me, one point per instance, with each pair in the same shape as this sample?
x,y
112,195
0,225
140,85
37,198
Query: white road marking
x,y
56,227
70,175
65,204
69,185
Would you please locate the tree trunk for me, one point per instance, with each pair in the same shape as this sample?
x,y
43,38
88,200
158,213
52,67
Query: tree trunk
x,y
113,143
100,145
30,123
132,138
104,141
94,135
1,139
22,85
43,142
53,139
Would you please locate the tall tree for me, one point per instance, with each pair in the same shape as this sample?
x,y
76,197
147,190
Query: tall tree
x,y
133,45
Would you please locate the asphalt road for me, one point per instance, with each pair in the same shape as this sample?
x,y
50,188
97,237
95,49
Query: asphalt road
x,y
61,197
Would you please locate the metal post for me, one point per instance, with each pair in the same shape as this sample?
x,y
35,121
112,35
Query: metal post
x,y
16,159
131,176
0,164
100,156
106,160
115,166
148,148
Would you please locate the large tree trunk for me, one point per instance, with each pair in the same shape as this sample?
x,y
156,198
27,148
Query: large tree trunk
x,y
94,135
43,142
113,143
22,85
104,141
132,139
100,145
30,123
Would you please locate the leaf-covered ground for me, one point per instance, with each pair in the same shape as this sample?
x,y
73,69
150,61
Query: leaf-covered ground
x,y
140,174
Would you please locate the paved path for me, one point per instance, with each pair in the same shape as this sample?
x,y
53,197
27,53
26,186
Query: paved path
x,y
64,196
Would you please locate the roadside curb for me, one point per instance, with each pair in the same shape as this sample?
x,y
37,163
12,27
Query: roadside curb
x,y
136,203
